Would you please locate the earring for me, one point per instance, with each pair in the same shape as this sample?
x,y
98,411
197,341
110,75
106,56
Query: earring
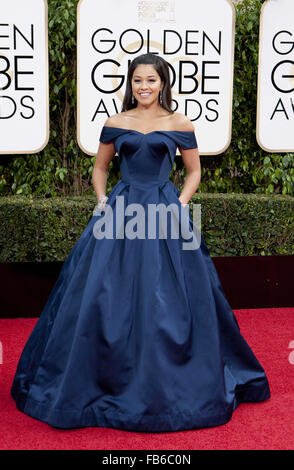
x,y
133,101
160,97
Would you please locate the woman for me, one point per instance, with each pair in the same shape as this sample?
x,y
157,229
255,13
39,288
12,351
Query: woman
x,y
137,333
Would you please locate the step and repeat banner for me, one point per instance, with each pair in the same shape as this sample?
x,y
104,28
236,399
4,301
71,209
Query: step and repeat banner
x,y
275,99
24,96
196,37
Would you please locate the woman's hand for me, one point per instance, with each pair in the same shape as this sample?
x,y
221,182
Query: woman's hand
x,y
183,203
102,204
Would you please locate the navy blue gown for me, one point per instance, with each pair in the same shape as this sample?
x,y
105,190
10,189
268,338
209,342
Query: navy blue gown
x,y
137,334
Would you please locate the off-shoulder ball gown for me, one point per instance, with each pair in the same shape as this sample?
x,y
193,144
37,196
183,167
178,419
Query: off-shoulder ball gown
x,y
137,333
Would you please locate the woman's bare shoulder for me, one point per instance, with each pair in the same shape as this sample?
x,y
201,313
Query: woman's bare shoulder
x,y
117,120
112,121
182,122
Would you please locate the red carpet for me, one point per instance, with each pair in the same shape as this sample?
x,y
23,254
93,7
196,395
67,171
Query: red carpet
x,y
255,426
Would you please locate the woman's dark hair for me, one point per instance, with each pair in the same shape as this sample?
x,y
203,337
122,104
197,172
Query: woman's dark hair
x,y
161,68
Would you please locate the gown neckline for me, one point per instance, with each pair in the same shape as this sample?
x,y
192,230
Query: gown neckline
x,y
142,133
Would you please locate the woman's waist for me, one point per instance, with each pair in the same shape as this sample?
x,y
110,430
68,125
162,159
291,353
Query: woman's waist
x,y
145,182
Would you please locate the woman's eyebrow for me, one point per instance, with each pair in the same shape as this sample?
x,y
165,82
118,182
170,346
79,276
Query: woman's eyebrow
x,y
139,76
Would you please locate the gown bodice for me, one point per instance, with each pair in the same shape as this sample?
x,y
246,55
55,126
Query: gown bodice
x,y
147,158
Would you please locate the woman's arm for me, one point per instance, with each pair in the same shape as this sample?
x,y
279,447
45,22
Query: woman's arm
x,y
191,160
105,154
193,174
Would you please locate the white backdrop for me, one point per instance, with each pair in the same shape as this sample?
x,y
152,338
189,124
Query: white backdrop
x,y
24,103
196,37
275,101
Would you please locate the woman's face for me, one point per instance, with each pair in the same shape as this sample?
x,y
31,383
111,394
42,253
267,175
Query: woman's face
x,y
146,84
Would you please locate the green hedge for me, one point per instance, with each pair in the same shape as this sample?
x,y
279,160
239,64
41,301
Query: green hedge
x,y
62,169
232,225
